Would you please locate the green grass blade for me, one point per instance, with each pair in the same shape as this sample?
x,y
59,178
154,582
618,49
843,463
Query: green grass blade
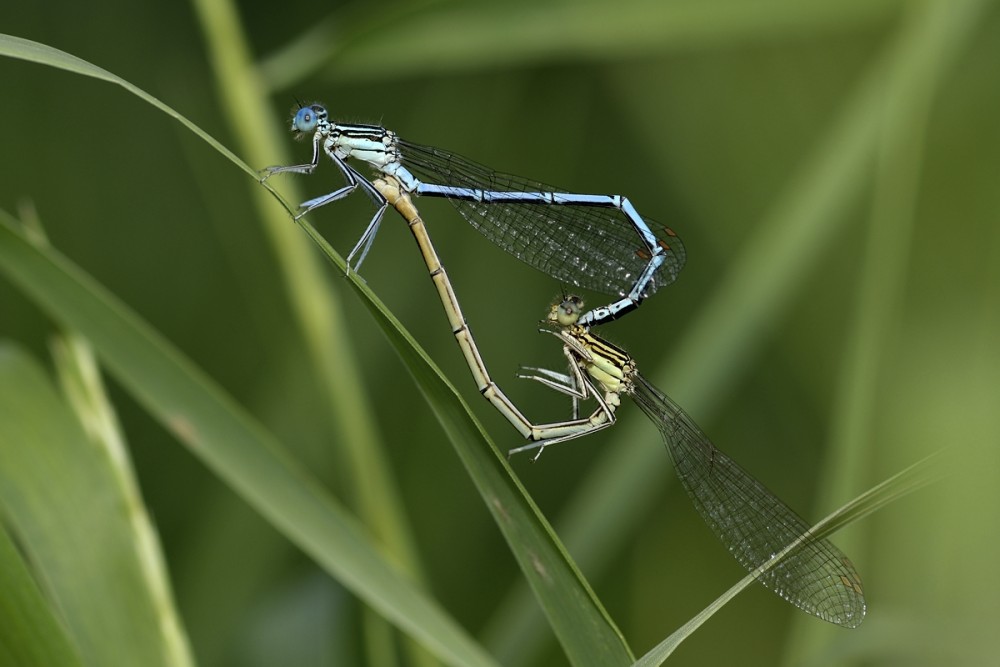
x,y
586,632
365,475
65,504
252,463
915,477
931,35
80,380
25,49
230,442
462,37
32,635
318,44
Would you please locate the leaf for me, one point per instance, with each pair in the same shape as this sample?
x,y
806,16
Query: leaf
x,y
229,442
32,635
68,508
926,471
586,632
25,49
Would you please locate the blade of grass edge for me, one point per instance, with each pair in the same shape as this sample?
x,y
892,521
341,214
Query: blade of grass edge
x,y
471,37
229,441
26,49
579,620
32,635
267,479
365,475
74,518
931,35
82,387
911,479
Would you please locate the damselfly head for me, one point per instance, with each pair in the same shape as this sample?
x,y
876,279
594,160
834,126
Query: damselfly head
x,y
306,119
566,312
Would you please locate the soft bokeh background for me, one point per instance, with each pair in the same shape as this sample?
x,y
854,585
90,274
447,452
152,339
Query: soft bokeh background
x,y
832,169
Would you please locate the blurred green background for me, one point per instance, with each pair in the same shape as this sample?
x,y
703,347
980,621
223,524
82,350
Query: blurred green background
x,y
831,167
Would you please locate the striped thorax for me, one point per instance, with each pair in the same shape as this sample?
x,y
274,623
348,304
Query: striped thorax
x,y
609,366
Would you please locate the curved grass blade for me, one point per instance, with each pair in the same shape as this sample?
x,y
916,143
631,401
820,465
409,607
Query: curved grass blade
x,y
79,523
926,471
464,37
250,461
582,625
26,49
230,442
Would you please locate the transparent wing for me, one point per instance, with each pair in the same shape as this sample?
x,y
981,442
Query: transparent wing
x,y
754,524
592,247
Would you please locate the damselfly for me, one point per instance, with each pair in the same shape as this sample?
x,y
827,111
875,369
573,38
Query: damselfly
x,y
754,525
766,536
595,242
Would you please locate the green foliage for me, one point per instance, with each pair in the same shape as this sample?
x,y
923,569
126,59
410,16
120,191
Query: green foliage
x,y
829,166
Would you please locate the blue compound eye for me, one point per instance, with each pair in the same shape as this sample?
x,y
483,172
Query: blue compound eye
x,y
305,120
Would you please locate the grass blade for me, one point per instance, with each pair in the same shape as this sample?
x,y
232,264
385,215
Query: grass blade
x,y
463,37
32,635
230,442
67,506
583,626
915,477
26,49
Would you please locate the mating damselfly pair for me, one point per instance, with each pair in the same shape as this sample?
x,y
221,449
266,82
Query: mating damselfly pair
x,y
602,243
